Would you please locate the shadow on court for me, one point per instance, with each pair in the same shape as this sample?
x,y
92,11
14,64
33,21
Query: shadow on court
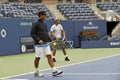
x,y
102,69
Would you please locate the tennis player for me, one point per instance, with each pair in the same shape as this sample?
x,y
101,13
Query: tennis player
x,y
39,33
58,33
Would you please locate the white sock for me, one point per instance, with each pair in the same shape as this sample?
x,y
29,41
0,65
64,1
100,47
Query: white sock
x,y
66,56
54,69
36,70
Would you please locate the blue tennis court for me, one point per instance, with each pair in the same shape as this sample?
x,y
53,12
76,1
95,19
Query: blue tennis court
x,y
100,69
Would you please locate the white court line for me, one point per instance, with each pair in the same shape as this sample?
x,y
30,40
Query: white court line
x,y
91,73
65,65
19,79
88,73
15,79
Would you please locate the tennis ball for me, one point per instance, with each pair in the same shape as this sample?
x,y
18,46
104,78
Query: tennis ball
x,y
54,43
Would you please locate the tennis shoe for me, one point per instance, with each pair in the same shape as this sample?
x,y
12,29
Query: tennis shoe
x,y
38,74
67,59
57,72
54,60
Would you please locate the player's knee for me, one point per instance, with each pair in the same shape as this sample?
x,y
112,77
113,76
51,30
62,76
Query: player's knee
x,y
49,57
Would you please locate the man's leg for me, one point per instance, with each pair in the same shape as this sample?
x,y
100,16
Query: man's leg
x,y
51,63
36,62
38,54
64,52
63,49
54,53
36,65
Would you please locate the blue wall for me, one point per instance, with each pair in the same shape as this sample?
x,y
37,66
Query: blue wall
x,y
69,29
100,44
10,42
11,31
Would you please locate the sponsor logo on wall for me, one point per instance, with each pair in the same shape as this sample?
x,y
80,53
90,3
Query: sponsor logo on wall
x,y
90,25
3,33
114,43
25,23
27,44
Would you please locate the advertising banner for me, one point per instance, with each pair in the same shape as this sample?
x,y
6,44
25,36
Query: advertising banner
x,y
89,30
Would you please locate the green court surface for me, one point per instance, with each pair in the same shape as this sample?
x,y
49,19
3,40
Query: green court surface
x,y
23,63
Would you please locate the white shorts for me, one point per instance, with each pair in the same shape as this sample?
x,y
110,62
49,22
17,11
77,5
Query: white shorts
x,y
42,51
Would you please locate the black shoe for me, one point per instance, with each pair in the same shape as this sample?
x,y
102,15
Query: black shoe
x,y
54,60
67,59
58,72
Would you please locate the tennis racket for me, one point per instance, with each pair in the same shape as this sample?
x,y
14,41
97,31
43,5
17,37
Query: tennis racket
x,y
59,42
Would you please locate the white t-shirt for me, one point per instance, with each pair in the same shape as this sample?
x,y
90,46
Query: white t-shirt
x,y
57,30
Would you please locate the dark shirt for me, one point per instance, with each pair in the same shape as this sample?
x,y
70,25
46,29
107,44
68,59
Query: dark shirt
x,y
39,31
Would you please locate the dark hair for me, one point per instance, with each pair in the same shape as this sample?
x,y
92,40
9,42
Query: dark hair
x,y
41,13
